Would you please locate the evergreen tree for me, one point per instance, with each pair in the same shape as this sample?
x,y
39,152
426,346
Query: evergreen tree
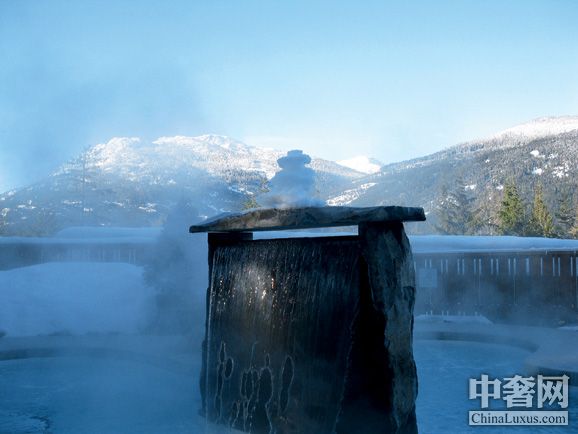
x,y
565,216
250,203
574,229
512,220
40,224
541,222
455,214
251,199
3,222
484,219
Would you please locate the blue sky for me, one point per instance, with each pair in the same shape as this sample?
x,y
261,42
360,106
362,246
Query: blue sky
x,y
393,80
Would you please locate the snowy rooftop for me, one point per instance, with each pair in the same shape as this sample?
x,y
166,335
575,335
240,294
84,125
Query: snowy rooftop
x,y
93,234
464,243
270,219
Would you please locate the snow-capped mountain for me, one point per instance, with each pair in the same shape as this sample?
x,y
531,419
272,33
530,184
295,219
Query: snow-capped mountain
x,y
362,164
543,151
520,134
541,127
133,159
127,181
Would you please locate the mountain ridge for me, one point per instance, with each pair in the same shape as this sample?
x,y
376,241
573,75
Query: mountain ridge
x,y
128,181
532,156
133,182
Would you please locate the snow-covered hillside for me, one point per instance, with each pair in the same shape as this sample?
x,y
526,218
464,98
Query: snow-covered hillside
x,y
127,181
519,135
540,152
135,159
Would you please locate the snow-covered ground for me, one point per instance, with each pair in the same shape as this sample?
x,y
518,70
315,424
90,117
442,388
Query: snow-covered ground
x,y
444,369
74,298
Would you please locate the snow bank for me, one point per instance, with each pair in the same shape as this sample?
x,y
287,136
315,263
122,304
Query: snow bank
x,y
74,298
460,319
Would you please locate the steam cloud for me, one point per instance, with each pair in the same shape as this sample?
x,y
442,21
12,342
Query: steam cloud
x,y
294,184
